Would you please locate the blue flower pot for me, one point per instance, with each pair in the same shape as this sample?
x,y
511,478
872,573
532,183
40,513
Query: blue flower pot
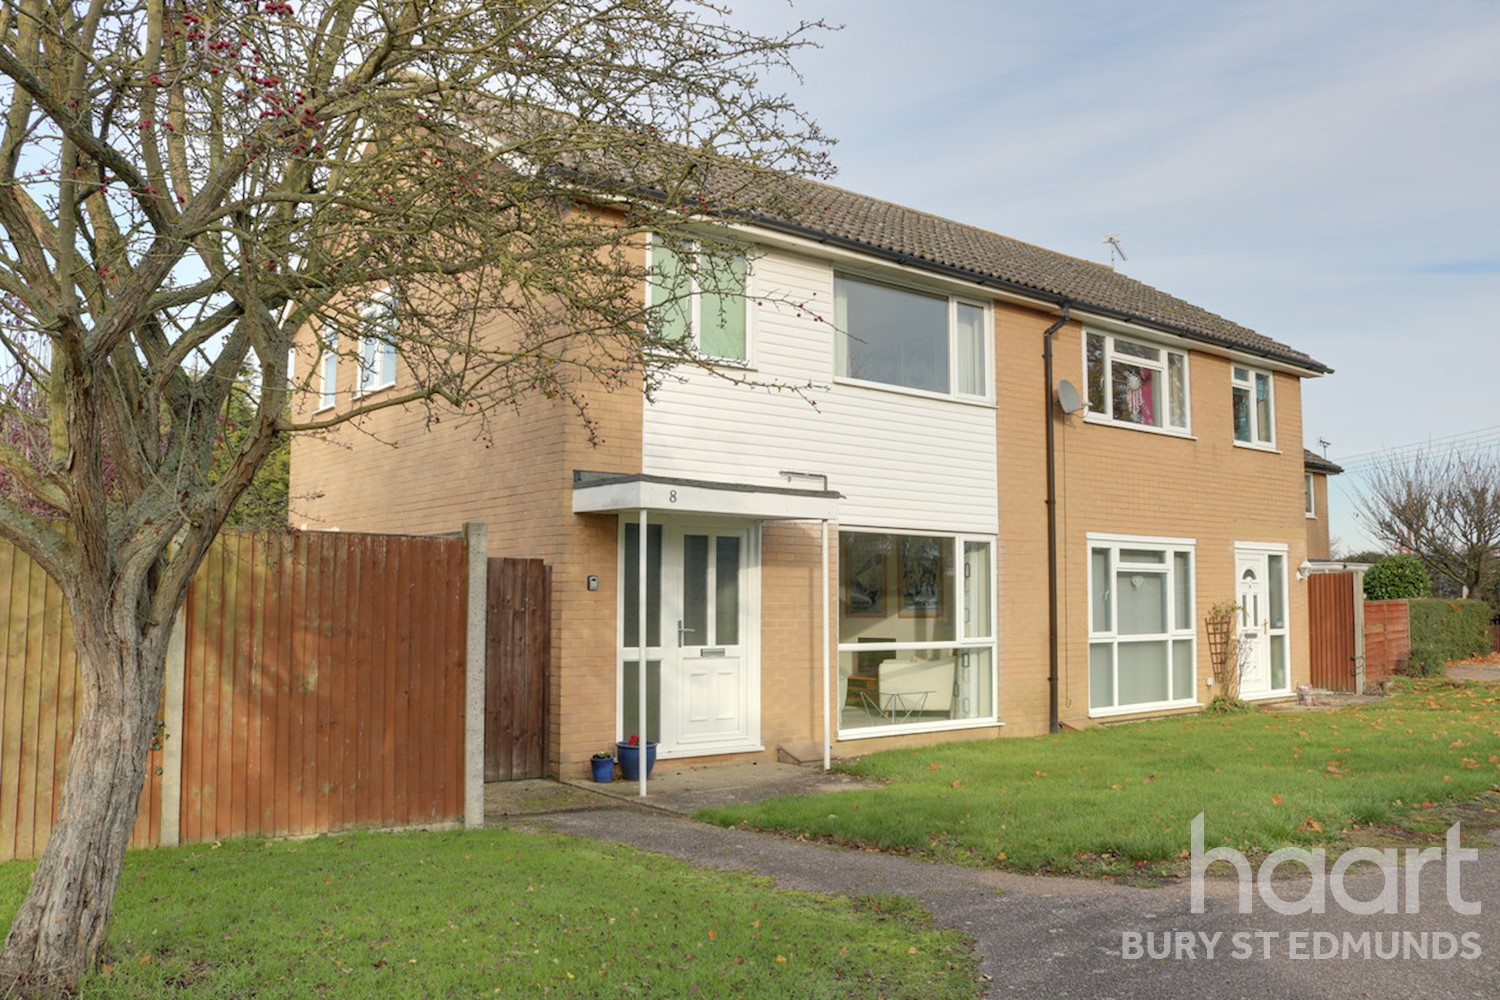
x,y
630,760
604,768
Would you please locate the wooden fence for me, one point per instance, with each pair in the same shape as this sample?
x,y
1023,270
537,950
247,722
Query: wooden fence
x,y
39,701
1387,639
321,685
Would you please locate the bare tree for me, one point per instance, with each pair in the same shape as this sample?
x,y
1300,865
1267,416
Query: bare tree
x,y
1444,507
189,183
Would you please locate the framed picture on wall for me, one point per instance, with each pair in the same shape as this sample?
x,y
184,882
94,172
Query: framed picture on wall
x,y
867,558
921,576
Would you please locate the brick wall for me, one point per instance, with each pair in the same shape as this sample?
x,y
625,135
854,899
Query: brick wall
x,y
1125,481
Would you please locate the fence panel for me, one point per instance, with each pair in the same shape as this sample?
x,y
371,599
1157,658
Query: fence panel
x,y
1387,639
516,654
324,679
40,698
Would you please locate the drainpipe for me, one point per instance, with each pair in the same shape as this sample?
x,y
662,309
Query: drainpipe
x,y
1052,600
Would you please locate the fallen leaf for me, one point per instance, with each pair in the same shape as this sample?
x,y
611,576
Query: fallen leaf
x,y
1277,800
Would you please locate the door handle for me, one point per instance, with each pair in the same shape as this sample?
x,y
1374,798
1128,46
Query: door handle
x,y
682,631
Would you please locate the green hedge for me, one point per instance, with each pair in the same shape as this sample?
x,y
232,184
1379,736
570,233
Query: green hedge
x,y
1446,630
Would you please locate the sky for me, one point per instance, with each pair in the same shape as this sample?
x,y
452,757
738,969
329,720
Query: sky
x,y
1324,172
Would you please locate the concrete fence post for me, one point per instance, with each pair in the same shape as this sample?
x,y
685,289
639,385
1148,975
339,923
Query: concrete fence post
x,y
172,737
476,534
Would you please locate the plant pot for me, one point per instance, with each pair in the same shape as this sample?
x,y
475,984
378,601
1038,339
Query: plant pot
x,y
630,760
604,768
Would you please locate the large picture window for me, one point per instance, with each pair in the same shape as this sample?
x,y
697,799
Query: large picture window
x,y
1142,639
699,297
1134,382
916,632
918,340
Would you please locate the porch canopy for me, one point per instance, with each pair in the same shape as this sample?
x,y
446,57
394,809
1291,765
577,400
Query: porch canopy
x,y
604,492
613,493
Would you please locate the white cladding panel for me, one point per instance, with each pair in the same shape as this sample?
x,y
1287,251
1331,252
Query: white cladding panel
x,y
901,460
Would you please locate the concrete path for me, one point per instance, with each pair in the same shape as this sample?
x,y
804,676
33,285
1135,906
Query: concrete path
x,y
1066,938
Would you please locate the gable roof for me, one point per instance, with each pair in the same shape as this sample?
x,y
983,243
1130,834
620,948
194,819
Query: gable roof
x,y
1313,462
903,235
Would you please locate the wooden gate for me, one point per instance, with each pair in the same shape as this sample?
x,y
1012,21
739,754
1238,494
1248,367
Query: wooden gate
x,y
517,650
1330,598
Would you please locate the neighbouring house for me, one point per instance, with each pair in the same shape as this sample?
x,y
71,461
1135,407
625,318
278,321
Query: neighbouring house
x,y
875,561
1316,470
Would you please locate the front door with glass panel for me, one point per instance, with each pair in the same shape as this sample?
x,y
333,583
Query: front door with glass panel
x,y
701,669
1262,622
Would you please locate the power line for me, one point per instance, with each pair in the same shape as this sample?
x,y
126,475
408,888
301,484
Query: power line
x,y
1420,445
1457,448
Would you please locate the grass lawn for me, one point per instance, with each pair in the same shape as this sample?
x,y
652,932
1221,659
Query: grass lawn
x,y
1121,799
494,913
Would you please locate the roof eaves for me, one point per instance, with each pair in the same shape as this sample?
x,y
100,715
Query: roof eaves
x,y
982,279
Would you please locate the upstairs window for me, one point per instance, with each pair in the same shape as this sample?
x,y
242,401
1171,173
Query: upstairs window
x,y
377,345
917,340
699,297
1254,409
1309,501
328,365
1134,382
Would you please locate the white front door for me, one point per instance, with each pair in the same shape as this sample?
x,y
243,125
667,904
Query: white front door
x,y
1260,573
1254,651
702,671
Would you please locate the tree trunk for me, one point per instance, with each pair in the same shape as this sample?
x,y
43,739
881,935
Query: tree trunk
x,y
56,935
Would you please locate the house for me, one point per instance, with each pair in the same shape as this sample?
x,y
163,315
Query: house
x,y
1013,484
1316,470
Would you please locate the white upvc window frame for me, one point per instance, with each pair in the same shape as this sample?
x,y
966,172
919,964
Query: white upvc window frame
x,y
1102,411
961,642
956,369
1246,378
1310,495
328,365
1181,625
695,296
377,355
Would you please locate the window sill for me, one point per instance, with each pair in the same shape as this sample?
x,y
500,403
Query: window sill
x,y
902,390
1312,517
1103,421
908,729
328,408
1143,708
1269,449
373,390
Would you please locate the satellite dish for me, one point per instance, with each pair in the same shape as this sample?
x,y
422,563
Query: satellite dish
x,y
1068,398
